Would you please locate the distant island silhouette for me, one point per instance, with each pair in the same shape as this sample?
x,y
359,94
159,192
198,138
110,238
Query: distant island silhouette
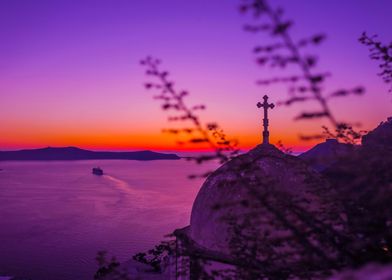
x,y
74,153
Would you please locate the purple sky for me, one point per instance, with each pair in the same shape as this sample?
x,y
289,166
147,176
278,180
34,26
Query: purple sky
x,y
69,72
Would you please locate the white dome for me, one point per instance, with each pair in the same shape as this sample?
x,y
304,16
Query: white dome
x,y
229,194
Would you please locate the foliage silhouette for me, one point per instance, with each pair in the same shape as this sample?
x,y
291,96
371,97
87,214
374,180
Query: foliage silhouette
x,y
309,84
109,268
197,132
381,52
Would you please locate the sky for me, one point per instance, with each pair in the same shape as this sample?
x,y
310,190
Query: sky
x,y
70,72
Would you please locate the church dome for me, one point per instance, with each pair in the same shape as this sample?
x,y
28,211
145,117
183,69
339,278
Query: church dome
x,y
251,183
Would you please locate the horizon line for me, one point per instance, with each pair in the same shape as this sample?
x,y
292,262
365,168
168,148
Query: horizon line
x,y
295,148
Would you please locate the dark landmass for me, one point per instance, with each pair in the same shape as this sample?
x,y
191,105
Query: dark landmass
x,y
380,137
73,153
325,154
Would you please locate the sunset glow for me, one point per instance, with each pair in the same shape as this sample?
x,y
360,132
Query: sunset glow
x,y
70,73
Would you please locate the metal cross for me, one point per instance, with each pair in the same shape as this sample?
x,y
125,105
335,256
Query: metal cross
x,y
265,105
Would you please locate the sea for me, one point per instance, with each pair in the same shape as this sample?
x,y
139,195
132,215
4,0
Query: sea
x,y
55,216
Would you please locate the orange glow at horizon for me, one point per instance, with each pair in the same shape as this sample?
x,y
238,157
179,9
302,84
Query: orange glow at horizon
x,y
139,141
127,133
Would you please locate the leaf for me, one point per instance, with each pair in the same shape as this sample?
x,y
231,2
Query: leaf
x,y
167,106
282,27
311,61
199,107
311,137
171,130
343,92
311,115
317,39
212,126
317,78
198,140
293,100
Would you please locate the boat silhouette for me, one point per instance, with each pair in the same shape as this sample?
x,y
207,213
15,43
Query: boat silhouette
x,y
97,171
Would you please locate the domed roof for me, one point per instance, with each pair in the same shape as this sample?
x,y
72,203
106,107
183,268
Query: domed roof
x,y
250,183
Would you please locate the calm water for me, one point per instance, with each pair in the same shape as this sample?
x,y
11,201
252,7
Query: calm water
x,y
55,216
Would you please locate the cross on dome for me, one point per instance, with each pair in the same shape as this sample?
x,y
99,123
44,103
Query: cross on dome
x,y
265,105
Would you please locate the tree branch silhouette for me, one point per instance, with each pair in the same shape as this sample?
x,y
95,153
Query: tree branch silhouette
x,y
382,53
198,132
309,84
